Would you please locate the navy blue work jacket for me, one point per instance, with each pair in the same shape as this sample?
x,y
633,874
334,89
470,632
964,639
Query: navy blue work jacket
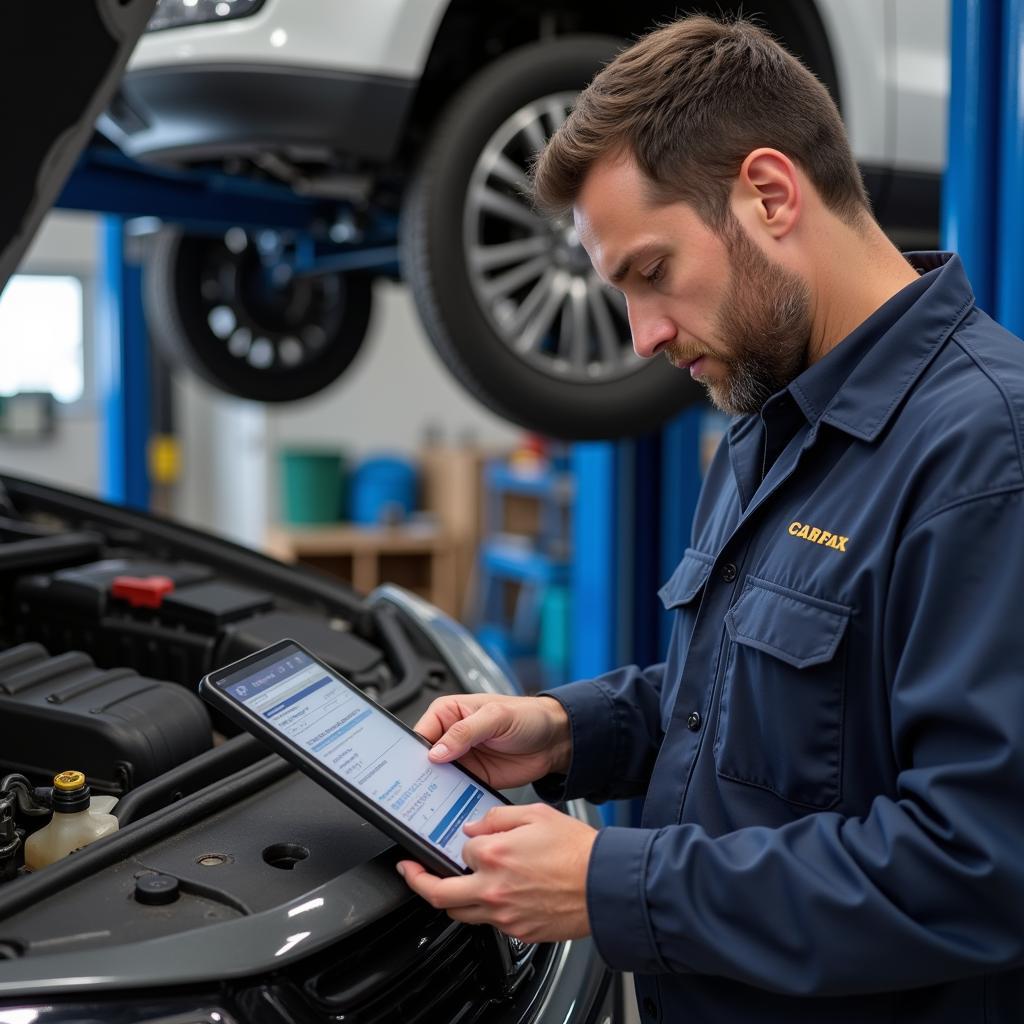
x,y
832,755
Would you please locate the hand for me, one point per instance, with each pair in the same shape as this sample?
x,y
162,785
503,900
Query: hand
x,y
505,741
529,874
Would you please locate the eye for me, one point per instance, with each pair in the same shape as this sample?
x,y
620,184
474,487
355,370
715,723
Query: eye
x,y
656,273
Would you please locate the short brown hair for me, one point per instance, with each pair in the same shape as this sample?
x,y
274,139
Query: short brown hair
x,y
689,101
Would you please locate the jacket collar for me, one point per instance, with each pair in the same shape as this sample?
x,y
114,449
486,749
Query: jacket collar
x,y
865,402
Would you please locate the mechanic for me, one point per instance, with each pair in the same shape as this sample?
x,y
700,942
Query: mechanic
x,y
831,756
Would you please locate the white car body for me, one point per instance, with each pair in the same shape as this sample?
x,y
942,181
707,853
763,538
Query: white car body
x,y
382,37
891,57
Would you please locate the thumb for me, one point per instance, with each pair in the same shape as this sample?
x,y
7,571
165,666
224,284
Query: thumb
x,y
474,729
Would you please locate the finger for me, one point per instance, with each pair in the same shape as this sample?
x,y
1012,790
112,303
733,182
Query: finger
x,y
435,719
445,712
443,893
500,819
429,729
484,724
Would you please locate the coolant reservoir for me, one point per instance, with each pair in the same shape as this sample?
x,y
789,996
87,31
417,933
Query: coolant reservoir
x,y
77,820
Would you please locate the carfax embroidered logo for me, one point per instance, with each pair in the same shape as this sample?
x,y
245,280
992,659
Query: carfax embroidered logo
x,y
816,536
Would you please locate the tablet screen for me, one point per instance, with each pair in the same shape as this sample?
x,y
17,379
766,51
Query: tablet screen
x,y
355,740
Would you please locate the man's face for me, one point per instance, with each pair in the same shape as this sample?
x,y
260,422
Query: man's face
x,y
715,304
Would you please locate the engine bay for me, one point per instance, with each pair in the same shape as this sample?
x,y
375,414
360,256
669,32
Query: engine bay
x,y
231,880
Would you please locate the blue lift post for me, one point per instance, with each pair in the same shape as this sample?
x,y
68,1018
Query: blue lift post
x,y
122,372
986,153
969,191
680,488
594,583
1010,224
632,516
593,578
631,522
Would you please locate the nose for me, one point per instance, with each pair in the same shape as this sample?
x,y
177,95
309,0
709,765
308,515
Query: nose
x,y
650,330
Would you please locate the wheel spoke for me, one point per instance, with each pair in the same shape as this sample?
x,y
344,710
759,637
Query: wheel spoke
x,y
509,172
505,206
535,328
516,277
240,342
489,257
529,305
527,274
557,113
314,337
261,354
534,133
572,342
607,337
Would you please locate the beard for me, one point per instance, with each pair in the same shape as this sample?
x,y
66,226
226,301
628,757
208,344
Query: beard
x,y
763,326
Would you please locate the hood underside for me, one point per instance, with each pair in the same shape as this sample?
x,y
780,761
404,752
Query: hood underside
x,y
61,65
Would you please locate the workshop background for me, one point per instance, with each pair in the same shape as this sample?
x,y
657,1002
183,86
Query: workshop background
x,y
549,545
169,293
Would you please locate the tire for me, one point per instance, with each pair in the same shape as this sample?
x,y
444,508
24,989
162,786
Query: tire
x,y
211,308
563,381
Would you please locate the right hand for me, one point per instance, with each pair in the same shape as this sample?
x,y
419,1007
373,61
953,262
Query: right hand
x,y
505,741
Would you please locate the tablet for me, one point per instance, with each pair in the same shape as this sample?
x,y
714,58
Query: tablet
x,y
327,727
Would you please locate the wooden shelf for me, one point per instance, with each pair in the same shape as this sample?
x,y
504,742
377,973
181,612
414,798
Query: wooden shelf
x,y
421,558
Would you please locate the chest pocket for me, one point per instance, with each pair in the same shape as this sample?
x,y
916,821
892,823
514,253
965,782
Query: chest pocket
x,y
780,719
682,594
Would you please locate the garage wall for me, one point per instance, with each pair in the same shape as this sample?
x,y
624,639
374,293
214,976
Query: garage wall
x,y
224,462
66,243
396,390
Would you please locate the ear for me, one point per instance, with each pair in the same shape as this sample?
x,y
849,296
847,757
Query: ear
x,y
768,191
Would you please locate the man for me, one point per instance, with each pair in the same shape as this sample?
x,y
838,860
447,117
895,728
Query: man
x,y
831,755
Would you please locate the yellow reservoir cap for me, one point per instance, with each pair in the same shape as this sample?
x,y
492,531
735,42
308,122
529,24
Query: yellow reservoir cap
x,y
66,781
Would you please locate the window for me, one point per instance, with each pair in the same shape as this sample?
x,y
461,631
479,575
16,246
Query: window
x,y
41,330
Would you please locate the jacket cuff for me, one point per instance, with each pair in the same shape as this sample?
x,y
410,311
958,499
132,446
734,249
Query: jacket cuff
x,y
617,900
590,710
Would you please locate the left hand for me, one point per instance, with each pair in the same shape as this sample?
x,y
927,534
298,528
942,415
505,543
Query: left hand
x,y
529,875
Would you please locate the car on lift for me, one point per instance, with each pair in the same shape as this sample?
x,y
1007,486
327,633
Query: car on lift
x,y
234,889
420,118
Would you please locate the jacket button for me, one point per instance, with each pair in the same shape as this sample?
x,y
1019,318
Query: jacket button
x,y
693,721
728,572
650,1008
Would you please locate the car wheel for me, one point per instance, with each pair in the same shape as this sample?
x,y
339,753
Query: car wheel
x,y
509,298
216,305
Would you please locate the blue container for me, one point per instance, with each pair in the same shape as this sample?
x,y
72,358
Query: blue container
x,y
383,491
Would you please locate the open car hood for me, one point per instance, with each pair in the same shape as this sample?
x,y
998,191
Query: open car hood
x,y
60,66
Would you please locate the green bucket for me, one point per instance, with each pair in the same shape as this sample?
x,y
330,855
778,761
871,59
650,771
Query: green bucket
x,y
312,485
